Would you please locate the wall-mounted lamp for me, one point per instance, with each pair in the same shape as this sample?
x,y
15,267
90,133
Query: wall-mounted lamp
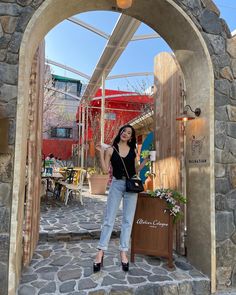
x,y
185,117
124,4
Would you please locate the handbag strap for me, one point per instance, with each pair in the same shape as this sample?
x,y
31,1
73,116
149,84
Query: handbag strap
x,y
122,162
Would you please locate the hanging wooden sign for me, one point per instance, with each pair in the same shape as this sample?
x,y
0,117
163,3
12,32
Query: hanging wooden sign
x,y
152,232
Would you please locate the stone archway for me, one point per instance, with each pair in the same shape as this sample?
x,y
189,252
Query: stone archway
x,y
172,22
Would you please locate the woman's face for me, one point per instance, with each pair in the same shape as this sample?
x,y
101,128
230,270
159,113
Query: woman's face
x,y
126,134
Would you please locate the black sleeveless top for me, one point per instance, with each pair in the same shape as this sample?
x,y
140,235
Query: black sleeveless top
x,y
118,169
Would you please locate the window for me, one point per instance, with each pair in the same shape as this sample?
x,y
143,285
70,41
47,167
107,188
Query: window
x,y
61,132
67,85
71,87
110,116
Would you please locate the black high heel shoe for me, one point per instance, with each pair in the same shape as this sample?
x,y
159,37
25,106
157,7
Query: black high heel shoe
x,y
125,266
97,265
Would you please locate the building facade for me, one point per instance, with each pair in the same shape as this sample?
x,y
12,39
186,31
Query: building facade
x,y
60,131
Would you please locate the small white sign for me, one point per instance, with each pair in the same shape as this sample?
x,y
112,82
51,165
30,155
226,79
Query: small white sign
x,y
152,156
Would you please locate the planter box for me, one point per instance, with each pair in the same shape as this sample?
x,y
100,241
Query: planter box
x,y
152,232
98,184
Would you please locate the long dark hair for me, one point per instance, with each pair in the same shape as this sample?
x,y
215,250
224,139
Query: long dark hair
x,y
132,142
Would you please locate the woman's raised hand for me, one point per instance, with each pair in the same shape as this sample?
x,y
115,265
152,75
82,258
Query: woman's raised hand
x,y
102,147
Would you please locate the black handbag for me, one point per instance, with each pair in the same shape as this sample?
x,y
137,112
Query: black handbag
x,y
133,184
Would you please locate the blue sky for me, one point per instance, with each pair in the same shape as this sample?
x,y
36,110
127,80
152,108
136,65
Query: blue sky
x,y
74,46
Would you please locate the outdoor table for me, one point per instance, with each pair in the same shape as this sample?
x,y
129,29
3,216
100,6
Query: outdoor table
x,y
55,176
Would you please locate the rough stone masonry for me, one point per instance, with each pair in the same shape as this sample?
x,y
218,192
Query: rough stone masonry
x,y
14,16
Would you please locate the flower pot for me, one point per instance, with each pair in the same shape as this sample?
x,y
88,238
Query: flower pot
x,y
97,183
148,185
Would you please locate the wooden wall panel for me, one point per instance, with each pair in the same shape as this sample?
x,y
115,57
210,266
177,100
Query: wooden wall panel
x,y
169,139
34,157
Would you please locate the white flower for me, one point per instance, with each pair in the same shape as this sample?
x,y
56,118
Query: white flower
x,y
170,199
176,209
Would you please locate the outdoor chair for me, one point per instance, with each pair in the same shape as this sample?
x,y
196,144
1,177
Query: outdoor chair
x,y
75,187
71,175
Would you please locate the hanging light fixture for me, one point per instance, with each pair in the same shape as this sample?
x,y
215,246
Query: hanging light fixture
x,y
124,4
185,117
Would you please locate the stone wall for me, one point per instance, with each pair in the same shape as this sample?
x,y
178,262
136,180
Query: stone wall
x,y
225,168
14,16
222,49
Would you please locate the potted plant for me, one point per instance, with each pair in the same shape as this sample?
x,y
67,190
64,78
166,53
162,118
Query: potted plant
x,y
149,181
152,153
97,179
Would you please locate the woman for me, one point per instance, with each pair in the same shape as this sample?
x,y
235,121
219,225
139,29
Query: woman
x,y
124,146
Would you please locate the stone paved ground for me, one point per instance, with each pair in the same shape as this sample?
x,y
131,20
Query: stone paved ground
x,y
74,221
62,262
66,268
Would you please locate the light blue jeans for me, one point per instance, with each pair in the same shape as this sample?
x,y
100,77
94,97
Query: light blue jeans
x,y
116,193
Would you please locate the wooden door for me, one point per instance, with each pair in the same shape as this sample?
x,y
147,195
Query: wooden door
x,y
34,158
168,135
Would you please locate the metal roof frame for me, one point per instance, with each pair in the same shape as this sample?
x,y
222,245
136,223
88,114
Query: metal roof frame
x,y
107,36
122,33
87,77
